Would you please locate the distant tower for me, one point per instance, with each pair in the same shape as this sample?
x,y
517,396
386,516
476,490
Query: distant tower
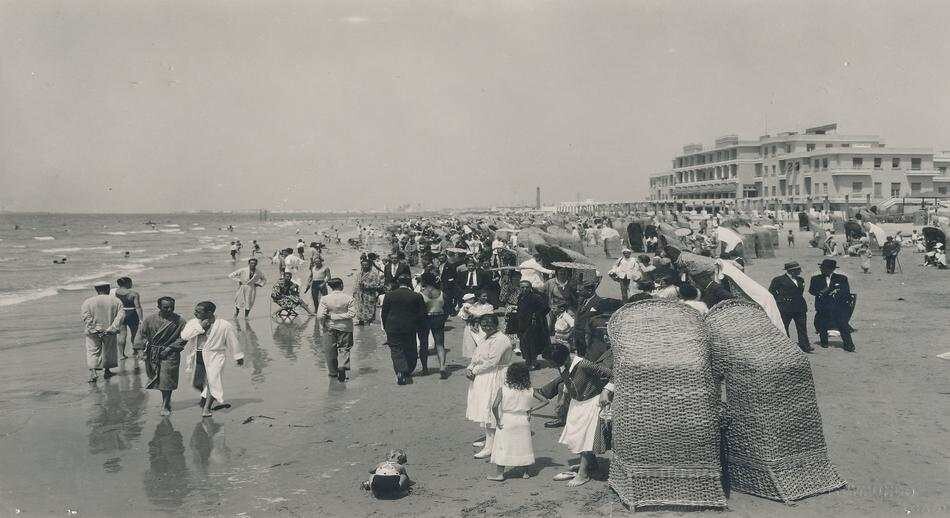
x,y
537,198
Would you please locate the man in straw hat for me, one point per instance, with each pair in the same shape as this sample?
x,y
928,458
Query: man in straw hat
x,y
832,296
788,291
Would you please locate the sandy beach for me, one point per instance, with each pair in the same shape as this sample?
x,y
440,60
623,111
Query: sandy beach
x,y
298,443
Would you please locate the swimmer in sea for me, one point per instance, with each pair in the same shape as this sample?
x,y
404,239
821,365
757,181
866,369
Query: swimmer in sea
x,y
127,254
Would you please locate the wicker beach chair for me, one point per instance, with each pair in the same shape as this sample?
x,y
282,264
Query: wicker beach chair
x,y
665,408
775,447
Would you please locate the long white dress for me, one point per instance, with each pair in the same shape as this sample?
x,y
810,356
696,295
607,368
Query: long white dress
x,y
580,427
512,445
489,364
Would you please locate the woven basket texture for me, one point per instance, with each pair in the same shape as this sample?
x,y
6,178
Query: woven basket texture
x,y
666,408
775,446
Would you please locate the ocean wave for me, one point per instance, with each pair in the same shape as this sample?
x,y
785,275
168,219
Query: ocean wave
x,y
170,230
44,238
97,248
127,232
59,250
112,271
172,225
159,257
7,259
192,250
19,297
197,228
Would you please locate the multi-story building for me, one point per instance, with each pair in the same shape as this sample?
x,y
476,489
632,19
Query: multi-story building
x,y
795,170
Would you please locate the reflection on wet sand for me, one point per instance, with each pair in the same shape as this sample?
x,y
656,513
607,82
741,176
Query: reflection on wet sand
x,y
116,420
288,336
166,480
208,450
256,356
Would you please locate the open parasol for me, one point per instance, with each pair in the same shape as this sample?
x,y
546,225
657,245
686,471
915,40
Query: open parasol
x,y
573,266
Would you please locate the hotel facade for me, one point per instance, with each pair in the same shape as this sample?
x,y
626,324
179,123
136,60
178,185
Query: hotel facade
x,y
796,170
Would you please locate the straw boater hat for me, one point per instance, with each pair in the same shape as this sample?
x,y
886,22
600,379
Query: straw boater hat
x,y
468,296
793,265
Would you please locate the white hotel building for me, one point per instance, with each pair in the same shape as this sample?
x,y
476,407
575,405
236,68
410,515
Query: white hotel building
x,y
795,170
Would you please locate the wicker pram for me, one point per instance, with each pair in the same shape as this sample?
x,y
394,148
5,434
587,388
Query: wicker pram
x,y
665,409
775,447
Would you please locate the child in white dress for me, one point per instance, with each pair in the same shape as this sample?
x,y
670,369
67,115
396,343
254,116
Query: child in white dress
x,y
511,408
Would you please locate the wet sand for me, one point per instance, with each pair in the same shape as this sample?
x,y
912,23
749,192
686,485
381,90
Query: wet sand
x,y
104,450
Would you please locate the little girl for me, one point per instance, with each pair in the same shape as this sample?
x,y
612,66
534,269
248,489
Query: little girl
x,y
866,263
512,445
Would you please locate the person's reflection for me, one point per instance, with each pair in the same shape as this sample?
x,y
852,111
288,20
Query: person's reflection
x,y
287,337
366,344
318,346
133,400
208,449
166,480
253,353
105,421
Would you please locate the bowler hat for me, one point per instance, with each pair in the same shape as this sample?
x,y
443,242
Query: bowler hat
x,y
829,263
792,265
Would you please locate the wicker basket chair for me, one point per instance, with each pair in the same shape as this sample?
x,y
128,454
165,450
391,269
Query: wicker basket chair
x,y
666,408
775,447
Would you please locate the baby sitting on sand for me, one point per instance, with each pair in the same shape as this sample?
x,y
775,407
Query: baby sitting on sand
x,y
389,477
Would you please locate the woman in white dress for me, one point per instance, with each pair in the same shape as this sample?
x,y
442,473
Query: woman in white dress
x,y
487,374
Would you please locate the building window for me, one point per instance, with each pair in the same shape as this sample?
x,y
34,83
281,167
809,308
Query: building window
x,y
895,163
788,148
809,147
773,150
824,163
915,164
817,164
877,163
773,190
915,188
877,189
857,162
845,145
828,145
895,190
798,166
824,187
941,190
758,170
856,187
942,169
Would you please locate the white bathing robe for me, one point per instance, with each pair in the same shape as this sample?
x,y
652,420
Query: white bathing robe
x,y
247,286
218,342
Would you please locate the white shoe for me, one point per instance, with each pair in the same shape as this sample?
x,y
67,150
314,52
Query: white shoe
x,y
478,444
484,454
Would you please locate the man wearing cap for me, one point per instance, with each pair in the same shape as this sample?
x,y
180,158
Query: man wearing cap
x,y
787,290
102,315
832,296
403,315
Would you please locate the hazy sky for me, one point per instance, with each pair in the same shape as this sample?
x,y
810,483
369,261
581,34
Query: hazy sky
x,y
159,106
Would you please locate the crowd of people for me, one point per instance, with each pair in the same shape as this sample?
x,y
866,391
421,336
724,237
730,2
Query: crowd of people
x,y
521,311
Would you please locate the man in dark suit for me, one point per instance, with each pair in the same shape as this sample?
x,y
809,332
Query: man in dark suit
x,y
787,290
403,314
832,297
395,267
445,275
473,279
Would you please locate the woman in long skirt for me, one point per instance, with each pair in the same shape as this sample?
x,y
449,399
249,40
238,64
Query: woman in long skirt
x,y
487,373
366,293
470,312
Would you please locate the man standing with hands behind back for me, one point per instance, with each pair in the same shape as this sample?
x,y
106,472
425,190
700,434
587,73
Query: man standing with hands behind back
x,y
788,291
832,296
403,314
